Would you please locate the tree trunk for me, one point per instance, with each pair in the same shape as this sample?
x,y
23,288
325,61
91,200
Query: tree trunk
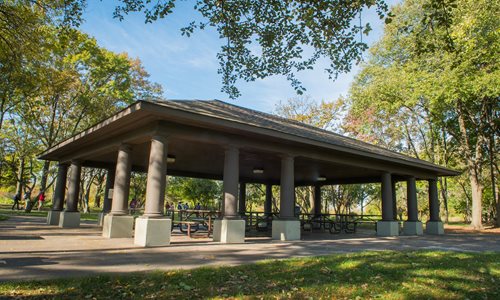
x,y
45,175
310,190
477,193
494,186
473,162
20,178
444,195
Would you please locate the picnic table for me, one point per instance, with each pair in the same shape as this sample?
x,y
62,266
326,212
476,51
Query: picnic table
x,y
190,221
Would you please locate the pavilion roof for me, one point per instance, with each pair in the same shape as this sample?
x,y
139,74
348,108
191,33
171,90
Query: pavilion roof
x,y
230,112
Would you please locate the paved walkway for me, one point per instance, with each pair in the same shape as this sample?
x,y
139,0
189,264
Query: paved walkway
x,y
30,249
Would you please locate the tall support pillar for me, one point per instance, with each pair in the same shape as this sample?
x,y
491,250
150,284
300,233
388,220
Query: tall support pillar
x,y
59,194
388,226
394,200
242,199
70,217
287,227
153,229
118,223
231,229
108,190
412,226
121,186
108,195
268,205
434,225
317,200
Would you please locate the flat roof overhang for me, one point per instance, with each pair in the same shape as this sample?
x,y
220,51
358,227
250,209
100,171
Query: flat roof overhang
x,y
197,141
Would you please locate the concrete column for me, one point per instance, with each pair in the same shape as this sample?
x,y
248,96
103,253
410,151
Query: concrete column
x,y
388,226
387,200
231,229
287,227
434,225
411,189
70,217
121,186
433,201
108,195
110,181
242,199
73,187
394,200
118,223
157,180
152,229
59,194
287,188
317,200
268,205
412,226
230,182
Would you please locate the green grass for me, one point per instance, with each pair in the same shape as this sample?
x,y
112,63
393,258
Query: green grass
x,y
7,211
383,275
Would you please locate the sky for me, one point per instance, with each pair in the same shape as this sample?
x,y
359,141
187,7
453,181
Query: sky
x,y
187,67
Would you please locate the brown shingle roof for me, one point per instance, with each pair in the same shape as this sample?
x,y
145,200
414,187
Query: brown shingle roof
x,y
223,110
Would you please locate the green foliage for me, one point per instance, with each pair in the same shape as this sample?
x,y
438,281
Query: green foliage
x,y
381,274
54,82
431,88
194,190
266,38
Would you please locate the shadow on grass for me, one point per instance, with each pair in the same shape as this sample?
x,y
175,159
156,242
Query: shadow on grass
x,y
385,274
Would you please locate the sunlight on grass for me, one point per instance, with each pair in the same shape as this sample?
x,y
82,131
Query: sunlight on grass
x,y
438,275
35,213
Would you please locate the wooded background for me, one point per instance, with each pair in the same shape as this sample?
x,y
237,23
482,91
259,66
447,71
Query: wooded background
x,y
428,88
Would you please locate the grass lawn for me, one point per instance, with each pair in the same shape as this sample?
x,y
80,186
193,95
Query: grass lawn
x,y
7,211
383,275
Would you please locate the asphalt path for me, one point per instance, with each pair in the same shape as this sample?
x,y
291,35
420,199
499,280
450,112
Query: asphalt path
x,y
30,249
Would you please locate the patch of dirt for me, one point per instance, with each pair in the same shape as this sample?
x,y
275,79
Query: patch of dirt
x,y
466,229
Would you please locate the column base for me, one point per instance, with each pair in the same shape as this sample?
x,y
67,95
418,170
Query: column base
x,y
229,231
387,228
412,228
434,227
53,217
100,218
217,225
286,230
69,219
152,231
117,226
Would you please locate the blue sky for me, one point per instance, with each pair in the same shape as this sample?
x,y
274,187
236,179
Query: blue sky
x,y
187,67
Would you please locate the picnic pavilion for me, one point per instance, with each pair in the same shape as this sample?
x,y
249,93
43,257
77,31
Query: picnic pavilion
x,y
217,140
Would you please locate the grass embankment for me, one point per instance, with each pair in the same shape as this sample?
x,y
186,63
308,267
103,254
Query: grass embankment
x,y
6,211
384,275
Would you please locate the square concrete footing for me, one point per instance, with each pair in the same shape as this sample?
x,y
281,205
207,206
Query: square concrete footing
x,y
53,217
387,228
152,231
118,226
286,230
413,228
229,231
69,219
100,218
217,225
434,227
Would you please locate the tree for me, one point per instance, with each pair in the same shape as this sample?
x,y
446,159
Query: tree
x,y
194,190
266,38
64,85
450,85
260,38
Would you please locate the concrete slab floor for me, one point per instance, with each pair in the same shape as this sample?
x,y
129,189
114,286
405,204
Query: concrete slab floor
x,y
31,249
